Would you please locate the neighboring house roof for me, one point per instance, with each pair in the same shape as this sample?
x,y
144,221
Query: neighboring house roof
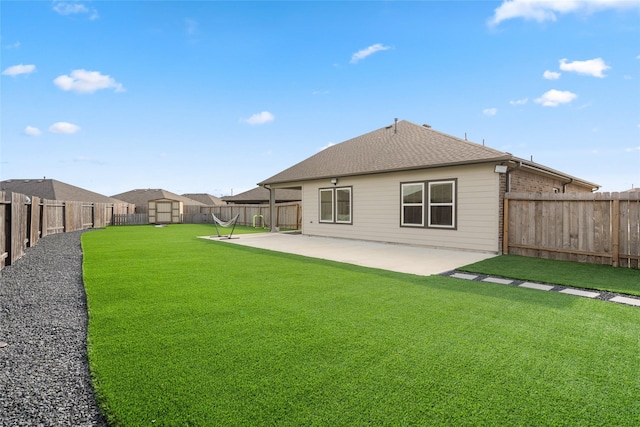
x,y
398,147
205,198
261,195
52,189
633,190
141,197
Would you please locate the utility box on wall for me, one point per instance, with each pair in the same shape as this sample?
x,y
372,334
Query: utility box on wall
x,y
165,211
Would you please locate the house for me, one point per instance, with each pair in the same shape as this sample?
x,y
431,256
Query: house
x,y
260,195
409,184
141,198
205,199
53,189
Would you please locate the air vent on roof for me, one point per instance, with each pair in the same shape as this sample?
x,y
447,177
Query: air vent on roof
x,y
427,126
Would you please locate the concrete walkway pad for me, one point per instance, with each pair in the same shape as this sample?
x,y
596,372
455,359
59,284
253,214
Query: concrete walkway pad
x,y
387,256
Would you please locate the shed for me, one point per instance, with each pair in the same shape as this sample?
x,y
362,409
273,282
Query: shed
x,y
164,211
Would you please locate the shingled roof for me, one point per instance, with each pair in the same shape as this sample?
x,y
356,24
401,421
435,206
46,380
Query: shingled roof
x,y
403,146
52,189
205,198
141,197
261,195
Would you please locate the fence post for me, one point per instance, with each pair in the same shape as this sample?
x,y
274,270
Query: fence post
x,y
615,234
505,227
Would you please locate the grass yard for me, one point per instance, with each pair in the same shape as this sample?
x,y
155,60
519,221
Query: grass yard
x,y
576,274
185,331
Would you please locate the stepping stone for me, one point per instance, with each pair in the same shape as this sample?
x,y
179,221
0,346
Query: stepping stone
x,y
579,293
463,276
625,300
498,280
538,286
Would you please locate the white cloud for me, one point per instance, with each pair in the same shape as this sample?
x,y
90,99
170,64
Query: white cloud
x,y
548,10
629,150
331,144
590,67
16,70
490,112
259,118
361,54
63,127
191,26
554,97
73,8
83,81
519,101
32,131
551,75
15,45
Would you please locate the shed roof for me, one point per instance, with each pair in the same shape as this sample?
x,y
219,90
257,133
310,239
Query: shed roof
x,y
401,146
261,195
53,189
205,198
141,197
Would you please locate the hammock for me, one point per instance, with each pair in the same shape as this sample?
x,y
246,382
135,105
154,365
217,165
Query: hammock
x,y
225,224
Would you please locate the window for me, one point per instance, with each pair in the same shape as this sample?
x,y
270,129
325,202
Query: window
x,y
435,200
335,205
441,204
343,207
413,204
326,205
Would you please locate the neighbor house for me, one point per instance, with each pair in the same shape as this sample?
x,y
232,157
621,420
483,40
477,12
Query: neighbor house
x,y
205,199
52,189
409,184
142,197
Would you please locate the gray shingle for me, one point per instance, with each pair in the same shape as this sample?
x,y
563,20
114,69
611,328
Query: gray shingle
x,y
52,189
403,147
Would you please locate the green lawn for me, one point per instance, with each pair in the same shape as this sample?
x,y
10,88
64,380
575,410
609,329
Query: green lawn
x,y
185,331
576,274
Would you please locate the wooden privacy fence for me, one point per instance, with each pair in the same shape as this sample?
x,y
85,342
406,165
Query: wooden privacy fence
x,y
598,228
24,220
288,215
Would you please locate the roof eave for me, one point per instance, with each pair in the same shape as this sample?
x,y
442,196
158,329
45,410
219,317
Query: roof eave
x,y
503,158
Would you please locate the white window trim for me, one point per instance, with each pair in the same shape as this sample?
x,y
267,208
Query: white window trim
x,y
333,205
403,205
452,204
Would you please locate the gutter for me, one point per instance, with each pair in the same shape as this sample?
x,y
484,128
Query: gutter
x,y
565,178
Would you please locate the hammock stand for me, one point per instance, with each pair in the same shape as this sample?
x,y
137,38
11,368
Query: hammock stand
x,y
225,224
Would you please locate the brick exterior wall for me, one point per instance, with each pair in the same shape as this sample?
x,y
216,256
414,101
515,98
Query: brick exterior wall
x,y
523,181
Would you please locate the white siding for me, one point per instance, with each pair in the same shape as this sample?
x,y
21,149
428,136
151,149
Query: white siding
x,y
376,209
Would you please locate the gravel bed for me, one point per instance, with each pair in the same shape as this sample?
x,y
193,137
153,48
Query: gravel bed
x,y
44,372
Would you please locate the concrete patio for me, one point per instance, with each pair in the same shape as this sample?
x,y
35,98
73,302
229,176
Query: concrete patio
x,y
387,256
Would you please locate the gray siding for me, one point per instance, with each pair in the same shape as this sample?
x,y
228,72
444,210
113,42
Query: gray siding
x,y
376,209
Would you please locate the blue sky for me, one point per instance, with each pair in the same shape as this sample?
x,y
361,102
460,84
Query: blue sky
x,y
213,97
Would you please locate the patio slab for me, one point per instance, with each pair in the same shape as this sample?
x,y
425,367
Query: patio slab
x,y
387,256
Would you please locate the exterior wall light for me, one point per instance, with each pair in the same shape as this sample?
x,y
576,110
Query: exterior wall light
x,y
334,181
500,169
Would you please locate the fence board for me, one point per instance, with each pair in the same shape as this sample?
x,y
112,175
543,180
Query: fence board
x,y
23,224
34,229
600,228
19,225
5,229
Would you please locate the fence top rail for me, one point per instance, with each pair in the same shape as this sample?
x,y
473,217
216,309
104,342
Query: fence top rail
x,y
629,195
